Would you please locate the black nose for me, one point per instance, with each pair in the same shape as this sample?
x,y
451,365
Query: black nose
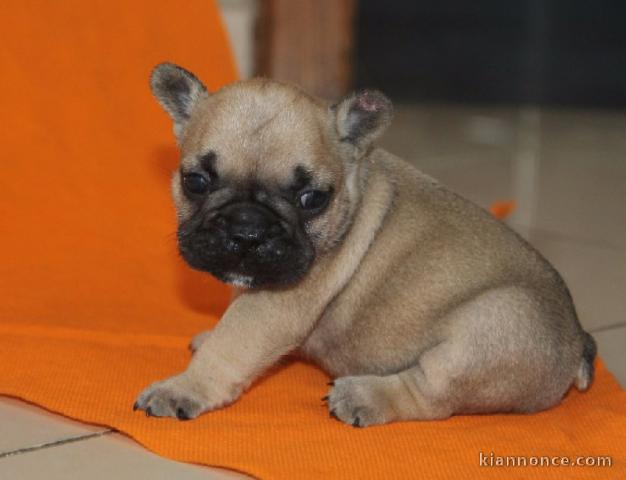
x,y
249,223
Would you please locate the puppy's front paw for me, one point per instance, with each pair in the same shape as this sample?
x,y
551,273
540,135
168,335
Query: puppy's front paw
x,y
357,402
180,397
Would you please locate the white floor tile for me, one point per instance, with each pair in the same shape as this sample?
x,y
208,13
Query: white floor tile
x,y
109,457
24,425
612,349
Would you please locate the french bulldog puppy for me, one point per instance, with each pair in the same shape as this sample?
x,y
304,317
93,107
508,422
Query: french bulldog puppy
x,y
417,302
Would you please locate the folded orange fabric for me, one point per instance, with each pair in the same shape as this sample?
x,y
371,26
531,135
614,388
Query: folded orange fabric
x,y
95,303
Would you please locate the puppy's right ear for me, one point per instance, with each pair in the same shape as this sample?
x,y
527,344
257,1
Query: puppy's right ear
x,y
362,117
178,91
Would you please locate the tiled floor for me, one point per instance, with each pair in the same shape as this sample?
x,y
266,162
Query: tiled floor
x,y
36,444
565,169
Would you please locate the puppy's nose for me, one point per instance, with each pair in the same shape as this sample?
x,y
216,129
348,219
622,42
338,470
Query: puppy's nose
x,y
248,223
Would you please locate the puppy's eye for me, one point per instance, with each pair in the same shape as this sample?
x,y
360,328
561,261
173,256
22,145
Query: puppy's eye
x,y
195,183
313,199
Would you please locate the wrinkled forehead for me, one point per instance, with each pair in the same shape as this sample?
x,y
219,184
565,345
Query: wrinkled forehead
x,y
263,134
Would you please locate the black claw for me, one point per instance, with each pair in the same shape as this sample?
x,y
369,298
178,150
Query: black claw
x,y
181,414
135,406
357,423
325,398
331,383
148,412
332,414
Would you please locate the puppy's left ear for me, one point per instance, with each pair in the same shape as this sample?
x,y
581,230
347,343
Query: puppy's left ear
x,y
178,91
362,117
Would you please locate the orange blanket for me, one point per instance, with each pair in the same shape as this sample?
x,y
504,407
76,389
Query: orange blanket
x,y
95,303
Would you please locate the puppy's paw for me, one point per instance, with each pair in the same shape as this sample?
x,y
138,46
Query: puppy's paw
x,y
357,401
198,340
180,397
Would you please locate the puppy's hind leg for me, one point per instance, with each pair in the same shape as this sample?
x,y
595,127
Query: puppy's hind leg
x,y
366,400
507,349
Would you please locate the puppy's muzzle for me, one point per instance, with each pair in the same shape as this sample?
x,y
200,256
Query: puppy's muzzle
x,y
251,227
246,243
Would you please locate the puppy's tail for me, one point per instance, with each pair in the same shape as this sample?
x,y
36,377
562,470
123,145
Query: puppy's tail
x,y
584,377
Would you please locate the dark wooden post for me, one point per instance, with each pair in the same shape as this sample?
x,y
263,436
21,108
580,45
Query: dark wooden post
x,y
307,42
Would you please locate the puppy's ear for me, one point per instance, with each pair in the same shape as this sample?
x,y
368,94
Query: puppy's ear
x,y
178,91
362,117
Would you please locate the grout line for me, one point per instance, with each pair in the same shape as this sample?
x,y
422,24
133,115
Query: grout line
x,y
56,443
525,165
608,327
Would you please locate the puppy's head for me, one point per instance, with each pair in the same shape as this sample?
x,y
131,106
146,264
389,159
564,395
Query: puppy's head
x,y
269,177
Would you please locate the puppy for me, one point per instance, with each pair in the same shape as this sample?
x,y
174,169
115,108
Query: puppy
x,y
420,304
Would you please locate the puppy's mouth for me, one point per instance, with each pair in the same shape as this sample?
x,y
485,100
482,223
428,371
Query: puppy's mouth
x,y
246,246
